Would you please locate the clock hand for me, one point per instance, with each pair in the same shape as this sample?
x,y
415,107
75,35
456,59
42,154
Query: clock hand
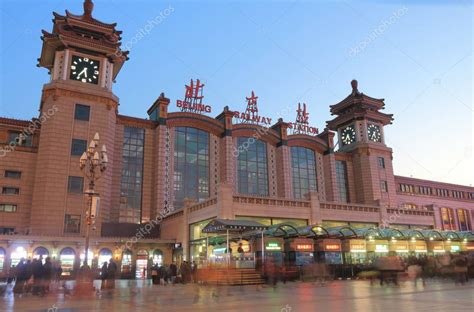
x,y
83,71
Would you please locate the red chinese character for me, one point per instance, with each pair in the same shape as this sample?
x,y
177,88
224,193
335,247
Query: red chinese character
x,y
194,92
302,115
252,103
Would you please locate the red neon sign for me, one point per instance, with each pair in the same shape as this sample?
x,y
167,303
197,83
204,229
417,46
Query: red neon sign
x,y
332,247
304,247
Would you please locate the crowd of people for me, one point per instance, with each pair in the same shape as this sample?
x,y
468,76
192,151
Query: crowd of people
x,y
389,269
35,276
172,274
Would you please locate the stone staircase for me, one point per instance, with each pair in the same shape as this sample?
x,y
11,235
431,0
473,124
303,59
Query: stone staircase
x,y
231,277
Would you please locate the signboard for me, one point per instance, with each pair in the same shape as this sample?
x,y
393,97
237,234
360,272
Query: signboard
x,y
193,99
421,248
301,125
332,247
272,246
304,247
251,113
399,246
354,245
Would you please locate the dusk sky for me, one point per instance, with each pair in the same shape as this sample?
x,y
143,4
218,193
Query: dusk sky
x,y
417,55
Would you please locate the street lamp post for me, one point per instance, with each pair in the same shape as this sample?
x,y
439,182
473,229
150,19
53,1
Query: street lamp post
x,y
92,163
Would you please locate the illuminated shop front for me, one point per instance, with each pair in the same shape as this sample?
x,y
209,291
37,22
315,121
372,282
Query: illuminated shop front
x,y
157,258
399,247
436,247
105,255
229,242
329,251
18,254
90,257
417,246
299,251
67,258
126,264
354,251
141,264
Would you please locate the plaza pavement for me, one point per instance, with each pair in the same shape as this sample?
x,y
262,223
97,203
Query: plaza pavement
x,y
134,296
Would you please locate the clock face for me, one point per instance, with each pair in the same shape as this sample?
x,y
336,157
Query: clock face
x,y
348,135
373,132
84,69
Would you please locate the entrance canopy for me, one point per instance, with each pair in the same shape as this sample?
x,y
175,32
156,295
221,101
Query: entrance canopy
x,y
233,226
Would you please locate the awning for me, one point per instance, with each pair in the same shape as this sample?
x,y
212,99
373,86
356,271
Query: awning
x,y
233,226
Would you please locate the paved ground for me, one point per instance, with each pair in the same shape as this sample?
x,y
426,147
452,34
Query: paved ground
x,y
133,296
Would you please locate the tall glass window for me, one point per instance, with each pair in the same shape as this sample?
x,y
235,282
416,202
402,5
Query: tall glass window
x,y
341,179
464,220
132,174
303,165
191,165
447,219
252,167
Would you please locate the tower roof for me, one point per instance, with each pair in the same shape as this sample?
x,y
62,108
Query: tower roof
x,y
82,32
357,105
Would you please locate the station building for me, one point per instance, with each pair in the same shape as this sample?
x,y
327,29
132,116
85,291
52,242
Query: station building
x,y
183,166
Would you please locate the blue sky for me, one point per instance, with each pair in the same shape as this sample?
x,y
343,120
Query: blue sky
x,y
415,54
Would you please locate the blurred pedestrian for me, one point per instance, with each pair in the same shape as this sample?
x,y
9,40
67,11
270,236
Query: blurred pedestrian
x,y
103,275
111,271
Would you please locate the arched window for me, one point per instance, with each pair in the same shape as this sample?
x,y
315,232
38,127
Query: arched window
x,y
67,257
252,166
447,219
464,220
105,255
303,165
191,165
40,253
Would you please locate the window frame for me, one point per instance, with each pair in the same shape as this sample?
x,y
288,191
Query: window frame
x,y
252,167
12,171
14,207
67,225
70,183
296,169
4,188
77,115
74,153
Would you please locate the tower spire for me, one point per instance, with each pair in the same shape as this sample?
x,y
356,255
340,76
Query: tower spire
x,y
88,7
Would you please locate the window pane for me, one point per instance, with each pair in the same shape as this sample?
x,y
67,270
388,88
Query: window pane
x,y
132,174
78,147
252,166
303,171
75,185
191,165
82,112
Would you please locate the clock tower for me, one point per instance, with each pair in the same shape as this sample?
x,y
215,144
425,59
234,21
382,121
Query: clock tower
x,y
359,125
83,58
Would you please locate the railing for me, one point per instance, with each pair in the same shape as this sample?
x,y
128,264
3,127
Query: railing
x,y
349,207
270,201
204,204
413,212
